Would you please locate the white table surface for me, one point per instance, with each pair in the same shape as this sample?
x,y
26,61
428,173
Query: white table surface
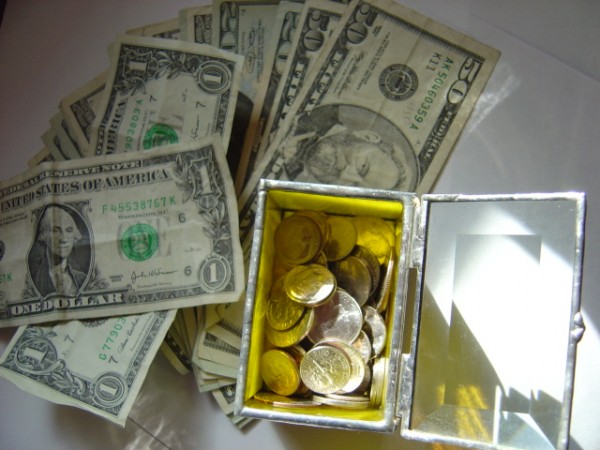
x,y
536,128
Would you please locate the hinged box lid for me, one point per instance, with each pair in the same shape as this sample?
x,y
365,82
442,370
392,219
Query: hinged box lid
x,y
496,320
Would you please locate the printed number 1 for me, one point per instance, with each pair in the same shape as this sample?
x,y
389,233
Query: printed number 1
x,y
213,273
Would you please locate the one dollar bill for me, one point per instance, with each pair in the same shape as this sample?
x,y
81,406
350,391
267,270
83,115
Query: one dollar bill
x,y
123,234
317,24
161,91
96,365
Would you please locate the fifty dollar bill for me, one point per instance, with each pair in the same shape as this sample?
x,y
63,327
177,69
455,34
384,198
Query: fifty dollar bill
x,y
317,23
119,235
244,28
383,107
284,29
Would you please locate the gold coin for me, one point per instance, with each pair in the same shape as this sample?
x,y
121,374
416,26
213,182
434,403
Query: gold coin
x,y
282,313
293,335
298,239
325,369
376,234
297,352
320,218
342,239
310,285
321,259
280,267
372,263
280,372
352,275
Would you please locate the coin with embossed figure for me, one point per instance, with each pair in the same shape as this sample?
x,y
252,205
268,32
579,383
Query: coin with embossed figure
x,y
339,318
320,218
357,363
310,285
375,234
352,275
298,239
282,313
325,369
280,372
293,335
342,239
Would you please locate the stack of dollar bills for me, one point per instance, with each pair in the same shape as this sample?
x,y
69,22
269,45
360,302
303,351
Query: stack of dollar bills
x,y
132,227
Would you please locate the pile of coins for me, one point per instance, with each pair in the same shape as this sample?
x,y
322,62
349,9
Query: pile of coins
x,y
325,327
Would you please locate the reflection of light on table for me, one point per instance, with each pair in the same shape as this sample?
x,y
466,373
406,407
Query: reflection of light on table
x,y
469,421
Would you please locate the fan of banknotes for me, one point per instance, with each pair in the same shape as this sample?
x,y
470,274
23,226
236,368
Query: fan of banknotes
x,y
133,250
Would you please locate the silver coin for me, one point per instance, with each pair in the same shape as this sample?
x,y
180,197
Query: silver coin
x,y
339,318
341,402
357,363
378,381
353,276
363,344
325,369
375,328
349,397
366,384
381,299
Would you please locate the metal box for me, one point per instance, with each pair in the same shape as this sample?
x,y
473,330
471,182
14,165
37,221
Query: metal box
x,y
483,322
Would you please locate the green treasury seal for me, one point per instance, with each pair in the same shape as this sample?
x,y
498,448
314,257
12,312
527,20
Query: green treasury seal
x,y
159,134
139,242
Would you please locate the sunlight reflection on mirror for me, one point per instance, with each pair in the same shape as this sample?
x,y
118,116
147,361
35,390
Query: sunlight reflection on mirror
x,y
495,319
